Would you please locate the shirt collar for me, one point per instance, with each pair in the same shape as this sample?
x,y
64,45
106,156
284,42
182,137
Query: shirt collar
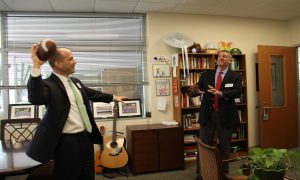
x,y
224,71
63,79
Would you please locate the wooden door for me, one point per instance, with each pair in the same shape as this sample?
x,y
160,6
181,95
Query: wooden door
x,y
278,118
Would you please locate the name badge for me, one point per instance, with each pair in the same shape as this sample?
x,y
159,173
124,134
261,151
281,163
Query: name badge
x,y
229,85
78,85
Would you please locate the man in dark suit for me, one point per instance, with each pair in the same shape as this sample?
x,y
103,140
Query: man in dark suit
x,y
218,111
63,135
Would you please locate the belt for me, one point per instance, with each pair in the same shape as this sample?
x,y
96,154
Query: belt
x,y
75,134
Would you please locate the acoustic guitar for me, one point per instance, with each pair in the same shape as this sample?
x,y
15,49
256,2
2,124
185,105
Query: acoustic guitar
x,y
114,154
98,166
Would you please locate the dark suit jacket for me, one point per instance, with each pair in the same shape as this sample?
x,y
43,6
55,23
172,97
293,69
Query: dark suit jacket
x,y
231,88
52,93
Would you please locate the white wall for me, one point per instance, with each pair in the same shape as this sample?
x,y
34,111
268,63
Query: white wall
x,y
245,33
294,31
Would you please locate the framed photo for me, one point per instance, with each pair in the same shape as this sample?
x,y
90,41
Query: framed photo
x,y
130,108
162,87
21,111
161,70
41,109
103,110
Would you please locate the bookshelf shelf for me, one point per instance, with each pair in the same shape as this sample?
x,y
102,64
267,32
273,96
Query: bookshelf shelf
x,y
186,110
192,129
192,107
239,140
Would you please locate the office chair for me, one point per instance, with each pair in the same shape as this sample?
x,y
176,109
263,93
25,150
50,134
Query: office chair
x,y
18,129
22,130
211,167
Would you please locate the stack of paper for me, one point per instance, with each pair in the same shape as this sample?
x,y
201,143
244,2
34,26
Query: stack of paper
x,y
169,123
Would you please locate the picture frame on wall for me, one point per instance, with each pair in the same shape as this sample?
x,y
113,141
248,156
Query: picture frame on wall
x,y
162,87
41,109
103,110
21,111
130,108
161,70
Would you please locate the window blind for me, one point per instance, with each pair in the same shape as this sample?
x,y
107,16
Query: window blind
x,y
109,49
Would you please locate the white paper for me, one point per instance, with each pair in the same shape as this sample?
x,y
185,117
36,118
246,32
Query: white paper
x,y
161,103
169,123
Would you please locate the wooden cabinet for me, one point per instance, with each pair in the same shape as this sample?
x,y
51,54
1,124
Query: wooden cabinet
x,y
186,108
154,147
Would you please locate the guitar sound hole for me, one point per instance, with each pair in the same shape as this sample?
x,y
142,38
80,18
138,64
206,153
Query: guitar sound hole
x,y
114,144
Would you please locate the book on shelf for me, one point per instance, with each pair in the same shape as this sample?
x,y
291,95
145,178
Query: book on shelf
x,y
239,133
190,120
190,158
190,153
240,100
234,64
189,101
190,147
240,114
189,138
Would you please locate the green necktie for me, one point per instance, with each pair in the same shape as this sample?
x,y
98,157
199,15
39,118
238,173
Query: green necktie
x,y
81,107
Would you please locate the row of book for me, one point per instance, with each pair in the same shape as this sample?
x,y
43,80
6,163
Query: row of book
x,y
190,154
191,79
196,62
235,65
190,148
240,132
190,120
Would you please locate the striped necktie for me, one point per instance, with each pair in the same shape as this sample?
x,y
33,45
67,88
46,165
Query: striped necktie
x,y
81,107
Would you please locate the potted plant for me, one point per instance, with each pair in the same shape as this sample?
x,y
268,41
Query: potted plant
x,y
272,163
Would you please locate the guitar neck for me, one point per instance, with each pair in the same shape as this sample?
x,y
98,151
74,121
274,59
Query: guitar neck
x,y
114,133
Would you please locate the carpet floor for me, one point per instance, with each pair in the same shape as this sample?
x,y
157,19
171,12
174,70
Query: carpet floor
x,y
189,173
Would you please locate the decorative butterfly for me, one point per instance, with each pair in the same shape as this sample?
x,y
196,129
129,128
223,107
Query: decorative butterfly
x,y
225,45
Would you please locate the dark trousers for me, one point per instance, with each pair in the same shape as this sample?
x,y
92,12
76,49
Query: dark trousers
x,y
74,158
224,135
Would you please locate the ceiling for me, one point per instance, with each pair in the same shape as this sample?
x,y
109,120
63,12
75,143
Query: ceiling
x,y
267,9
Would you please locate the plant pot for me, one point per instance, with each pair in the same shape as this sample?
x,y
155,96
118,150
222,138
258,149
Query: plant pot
x,y
246,169
264,174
